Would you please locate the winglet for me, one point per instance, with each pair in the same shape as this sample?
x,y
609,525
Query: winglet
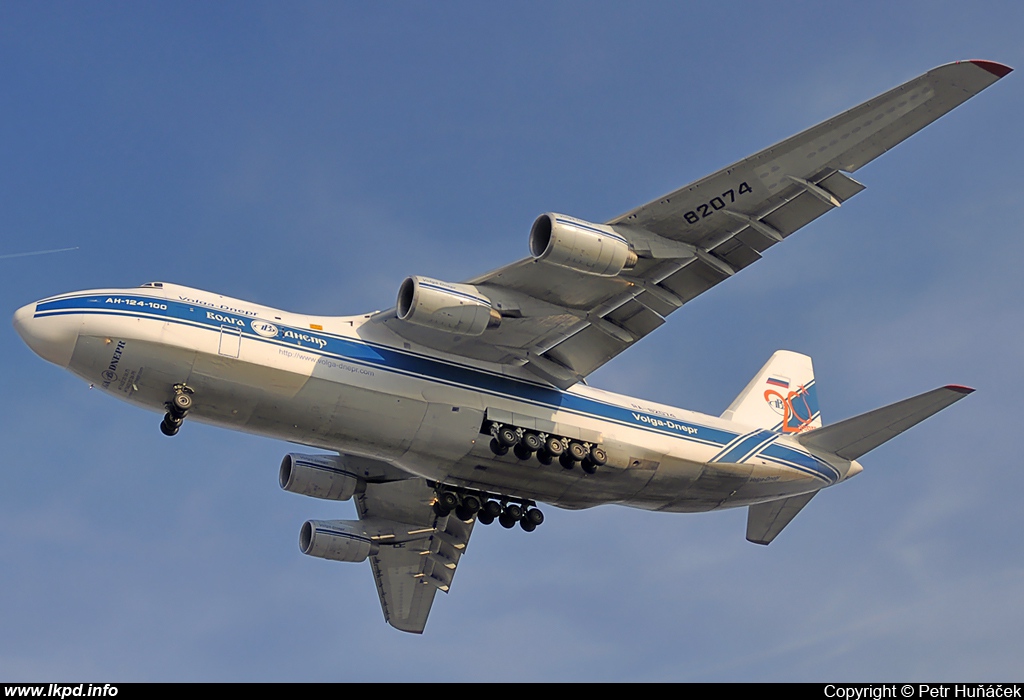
x,y
997,69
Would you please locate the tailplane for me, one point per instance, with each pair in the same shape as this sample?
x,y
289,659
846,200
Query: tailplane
x,y
859,435
781,397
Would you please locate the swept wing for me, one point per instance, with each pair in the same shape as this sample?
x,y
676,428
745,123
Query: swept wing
x,y
562,324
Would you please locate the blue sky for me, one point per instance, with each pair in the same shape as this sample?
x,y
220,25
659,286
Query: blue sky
x,y
311,155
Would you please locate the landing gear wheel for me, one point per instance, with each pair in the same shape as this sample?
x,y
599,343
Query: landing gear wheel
x,y
527,525
169,427
485,518
522,451
497,448
554,446
440,511
182,402
507,436
533,516
447,500
532,442
544,457
513,511
492,509
567,461
588,466
578,451
468,508
598,456
506,521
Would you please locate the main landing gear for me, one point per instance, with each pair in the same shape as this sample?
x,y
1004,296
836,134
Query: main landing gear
x,y
487,508
527,443
177,408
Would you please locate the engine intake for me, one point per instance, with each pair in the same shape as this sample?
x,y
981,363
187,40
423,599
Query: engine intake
x,y
319,476
580,245
455,308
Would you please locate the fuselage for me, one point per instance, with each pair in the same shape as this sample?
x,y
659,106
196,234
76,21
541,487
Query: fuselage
x,y
349,384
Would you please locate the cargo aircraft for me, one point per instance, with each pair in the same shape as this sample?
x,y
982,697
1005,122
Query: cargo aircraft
x,y
467,403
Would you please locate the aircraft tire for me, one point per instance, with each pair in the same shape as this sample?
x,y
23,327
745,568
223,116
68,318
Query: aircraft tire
x,y
532,442
598,456
497,448
554,446
448,500
533,516
182,402
527,525
567,461
468,508
588,466
168,429
507,436
578,451
522,451
544,457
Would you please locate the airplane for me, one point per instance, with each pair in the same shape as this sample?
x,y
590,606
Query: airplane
x,y
467,402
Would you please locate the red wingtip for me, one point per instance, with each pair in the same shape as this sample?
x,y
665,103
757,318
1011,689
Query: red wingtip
x,y
997,69
960,389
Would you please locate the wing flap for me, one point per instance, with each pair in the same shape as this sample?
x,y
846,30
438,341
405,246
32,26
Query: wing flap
x,y
409,574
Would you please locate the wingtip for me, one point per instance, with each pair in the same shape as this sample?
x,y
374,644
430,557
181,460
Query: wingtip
x,y
997,69
960,389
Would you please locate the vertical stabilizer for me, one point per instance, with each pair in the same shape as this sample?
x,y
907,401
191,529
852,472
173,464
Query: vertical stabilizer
x,y
781,397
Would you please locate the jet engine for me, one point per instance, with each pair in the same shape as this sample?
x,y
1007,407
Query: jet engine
x,y
455,308
339,540
580,245
319,476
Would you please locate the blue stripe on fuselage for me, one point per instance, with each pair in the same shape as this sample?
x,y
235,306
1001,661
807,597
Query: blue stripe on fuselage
x,y
393,360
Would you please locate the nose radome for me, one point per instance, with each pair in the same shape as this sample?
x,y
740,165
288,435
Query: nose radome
x,y
53,338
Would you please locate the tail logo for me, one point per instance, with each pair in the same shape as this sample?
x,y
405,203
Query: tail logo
x,y
793,406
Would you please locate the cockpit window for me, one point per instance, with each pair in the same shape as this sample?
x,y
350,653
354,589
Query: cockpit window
x,y
157,285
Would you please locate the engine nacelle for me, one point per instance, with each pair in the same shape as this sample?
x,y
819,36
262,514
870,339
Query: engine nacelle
x,y
319,476
455,308
338,540
580,245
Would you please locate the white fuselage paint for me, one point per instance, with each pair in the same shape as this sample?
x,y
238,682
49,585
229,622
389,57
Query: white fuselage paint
x,y
349,384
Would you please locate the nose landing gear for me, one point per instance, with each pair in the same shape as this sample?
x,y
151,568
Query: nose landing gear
x,y
177,408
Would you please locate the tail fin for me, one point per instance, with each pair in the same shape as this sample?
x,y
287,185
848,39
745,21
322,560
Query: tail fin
x,y
781,397
859,435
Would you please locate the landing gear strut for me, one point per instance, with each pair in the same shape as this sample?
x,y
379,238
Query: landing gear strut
x,y
177,408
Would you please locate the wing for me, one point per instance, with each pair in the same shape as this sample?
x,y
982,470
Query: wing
x,y
409,574
562,323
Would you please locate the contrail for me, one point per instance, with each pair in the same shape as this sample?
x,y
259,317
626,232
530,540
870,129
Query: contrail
x,y
36,252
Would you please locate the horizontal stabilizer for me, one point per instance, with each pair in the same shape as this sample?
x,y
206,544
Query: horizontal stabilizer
x,y
859,435
766,520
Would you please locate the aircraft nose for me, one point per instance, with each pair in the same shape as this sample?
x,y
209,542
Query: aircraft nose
x,y
52,338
